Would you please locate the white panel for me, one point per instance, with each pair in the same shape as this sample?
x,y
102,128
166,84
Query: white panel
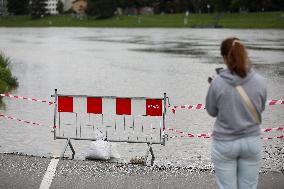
x,y
138,107
80,105
109,107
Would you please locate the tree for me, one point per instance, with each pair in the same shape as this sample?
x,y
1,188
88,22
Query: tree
x,y
38,8
101,8
17,7
221,5
105,8
59,7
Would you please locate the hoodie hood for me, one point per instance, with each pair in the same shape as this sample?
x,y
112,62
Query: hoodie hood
x,y
233,79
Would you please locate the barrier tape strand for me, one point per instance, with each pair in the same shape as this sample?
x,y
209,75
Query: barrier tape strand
x,y
184,134
26,98
23,121
202,106
208,135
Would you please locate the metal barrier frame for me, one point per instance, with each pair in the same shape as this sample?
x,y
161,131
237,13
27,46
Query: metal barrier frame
x,y
149,143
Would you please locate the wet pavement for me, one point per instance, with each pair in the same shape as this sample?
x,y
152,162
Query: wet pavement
x,y
18,171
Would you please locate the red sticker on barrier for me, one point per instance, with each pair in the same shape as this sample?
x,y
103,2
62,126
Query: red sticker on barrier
x,y
94,105
65,104
153,107
123,106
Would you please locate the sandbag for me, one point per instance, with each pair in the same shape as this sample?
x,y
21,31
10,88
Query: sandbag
x,y
99,150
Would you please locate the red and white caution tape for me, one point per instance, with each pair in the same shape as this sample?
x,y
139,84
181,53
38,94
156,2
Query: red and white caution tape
x,y
189,107
208,135
205,135
23,121
266,130
263,138
271,138
202,106
26,98
274,102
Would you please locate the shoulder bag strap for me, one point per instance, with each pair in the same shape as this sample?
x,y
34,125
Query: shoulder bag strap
x,y
248,103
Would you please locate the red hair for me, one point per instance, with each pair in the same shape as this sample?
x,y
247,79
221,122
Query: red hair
x,y
236,55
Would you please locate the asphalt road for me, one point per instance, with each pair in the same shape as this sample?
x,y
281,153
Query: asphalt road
x,y
22,172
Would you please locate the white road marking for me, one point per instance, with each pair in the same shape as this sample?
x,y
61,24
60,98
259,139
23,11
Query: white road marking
x,y
49,174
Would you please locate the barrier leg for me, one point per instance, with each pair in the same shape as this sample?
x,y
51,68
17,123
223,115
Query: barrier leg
x,y
149,149
68,142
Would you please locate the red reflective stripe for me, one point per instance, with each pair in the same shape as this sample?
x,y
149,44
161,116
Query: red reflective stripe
x,y
153,107
94,105
123,106
272,102
267,130
198,106
65,104
190,107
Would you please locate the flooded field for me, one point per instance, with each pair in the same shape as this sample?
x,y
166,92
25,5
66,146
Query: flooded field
x,y
132,62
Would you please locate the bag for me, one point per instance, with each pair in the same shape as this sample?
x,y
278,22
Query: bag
x,y
99,150
249,103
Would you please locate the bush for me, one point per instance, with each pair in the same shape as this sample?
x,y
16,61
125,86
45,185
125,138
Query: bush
x,y
6,76
7,80
4,61
3,87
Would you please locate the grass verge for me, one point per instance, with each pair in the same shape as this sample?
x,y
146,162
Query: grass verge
x,y
226,20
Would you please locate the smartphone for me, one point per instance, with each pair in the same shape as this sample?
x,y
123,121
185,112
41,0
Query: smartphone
x,y
218,70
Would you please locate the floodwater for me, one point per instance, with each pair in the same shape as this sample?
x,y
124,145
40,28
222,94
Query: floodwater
x,y
132,62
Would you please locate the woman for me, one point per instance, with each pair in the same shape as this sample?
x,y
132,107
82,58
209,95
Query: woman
x,y
236,148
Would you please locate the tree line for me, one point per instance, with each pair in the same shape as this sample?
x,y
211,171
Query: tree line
x,y
35,8
106,8
196,6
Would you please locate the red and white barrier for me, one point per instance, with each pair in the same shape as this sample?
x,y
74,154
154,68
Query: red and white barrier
x,y
26,98
23,121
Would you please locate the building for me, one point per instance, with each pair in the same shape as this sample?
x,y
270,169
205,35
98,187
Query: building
x,y
3,7
51,6
67,4
79,6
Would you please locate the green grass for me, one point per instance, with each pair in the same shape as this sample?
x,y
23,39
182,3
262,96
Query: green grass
x,y
228,20
7,80
253,20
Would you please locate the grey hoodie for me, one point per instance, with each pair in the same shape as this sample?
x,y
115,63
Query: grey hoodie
x,y
234,119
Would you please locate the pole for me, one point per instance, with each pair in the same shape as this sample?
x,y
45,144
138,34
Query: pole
x,y
164,118
55,111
